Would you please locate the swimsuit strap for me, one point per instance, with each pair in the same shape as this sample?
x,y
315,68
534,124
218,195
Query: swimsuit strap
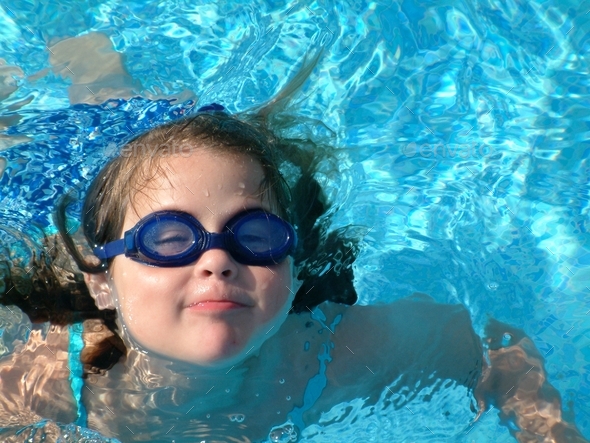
x,y
77,370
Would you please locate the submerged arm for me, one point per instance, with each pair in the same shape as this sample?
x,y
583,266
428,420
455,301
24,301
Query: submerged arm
x,y
413,341
35,385
516,383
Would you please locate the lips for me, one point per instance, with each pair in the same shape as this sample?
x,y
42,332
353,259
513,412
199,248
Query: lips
x,y
214,300
211,305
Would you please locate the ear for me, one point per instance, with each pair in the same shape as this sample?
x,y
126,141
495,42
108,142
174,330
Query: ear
x,y
98,286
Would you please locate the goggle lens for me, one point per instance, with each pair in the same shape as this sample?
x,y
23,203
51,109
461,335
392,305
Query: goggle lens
x,y
261,235
167,238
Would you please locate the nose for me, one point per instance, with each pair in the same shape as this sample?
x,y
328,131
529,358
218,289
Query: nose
x,y
216,262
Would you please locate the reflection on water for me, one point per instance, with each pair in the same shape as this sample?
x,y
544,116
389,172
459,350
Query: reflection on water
x,y
503,233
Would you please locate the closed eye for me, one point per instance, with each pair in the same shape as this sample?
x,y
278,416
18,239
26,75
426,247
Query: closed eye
x,y
172,243
178,238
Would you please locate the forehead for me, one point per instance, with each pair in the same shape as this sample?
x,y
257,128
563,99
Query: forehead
x,y
201,179
203,167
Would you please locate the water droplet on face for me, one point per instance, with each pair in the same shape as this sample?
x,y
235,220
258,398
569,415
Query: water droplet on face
x,y
242,185
207,193
282,381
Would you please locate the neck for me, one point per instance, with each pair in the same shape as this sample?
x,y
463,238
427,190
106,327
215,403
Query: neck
x,y
149,367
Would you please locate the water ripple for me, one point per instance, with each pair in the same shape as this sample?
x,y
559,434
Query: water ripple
x,y
462,131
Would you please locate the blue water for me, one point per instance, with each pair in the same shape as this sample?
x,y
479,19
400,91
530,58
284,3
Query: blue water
x,y
462,131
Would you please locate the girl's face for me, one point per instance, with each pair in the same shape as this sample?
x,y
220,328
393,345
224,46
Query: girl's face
x,y
215,310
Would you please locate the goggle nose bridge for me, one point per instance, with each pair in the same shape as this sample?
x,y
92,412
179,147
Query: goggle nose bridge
x,y
216,241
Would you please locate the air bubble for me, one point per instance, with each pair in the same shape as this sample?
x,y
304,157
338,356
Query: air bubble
x,y
238,418
286,433
282,381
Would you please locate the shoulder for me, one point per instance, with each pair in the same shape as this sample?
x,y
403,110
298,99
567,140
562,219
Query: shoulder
x,y
410,318
411,334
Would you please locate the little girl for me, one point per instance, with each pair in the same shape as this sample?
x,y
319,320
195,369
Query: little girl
x,y
192,226
217,283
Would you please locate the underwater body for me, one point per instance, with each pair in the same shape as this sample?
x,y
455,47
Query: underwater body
x,y
460,134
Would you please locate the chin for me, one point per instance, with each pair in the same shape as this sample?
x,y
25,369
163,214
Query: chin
x,y
214,362
221,356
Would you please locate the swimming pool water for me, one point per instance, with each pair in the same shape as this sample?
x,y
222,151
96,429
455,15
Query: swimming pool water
x,y
462,133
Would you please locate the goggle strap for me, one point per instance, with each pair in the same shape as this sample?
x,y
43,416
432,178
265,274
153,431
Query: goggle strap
x,y
110,249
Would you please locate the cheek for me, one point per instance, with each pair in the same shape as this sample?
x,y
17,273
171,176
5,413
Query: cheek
x,y
128,294
275,284
142,293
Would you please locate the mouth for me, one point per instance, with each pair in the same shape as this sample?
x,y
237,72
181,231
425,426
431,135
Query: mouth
x,y
218,300
215,306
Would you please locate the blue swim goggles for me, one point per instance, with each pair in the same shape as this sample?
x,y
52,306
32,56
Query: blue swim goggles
x,y
175,238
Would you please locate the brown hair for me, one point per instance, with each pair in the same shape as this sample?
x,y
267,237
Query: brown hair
x,y
139,162
48,288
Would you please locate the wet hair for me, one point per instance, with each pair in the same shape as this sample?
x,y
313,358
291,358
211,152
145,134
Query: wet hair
x,y
324,259
49,288
39,292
